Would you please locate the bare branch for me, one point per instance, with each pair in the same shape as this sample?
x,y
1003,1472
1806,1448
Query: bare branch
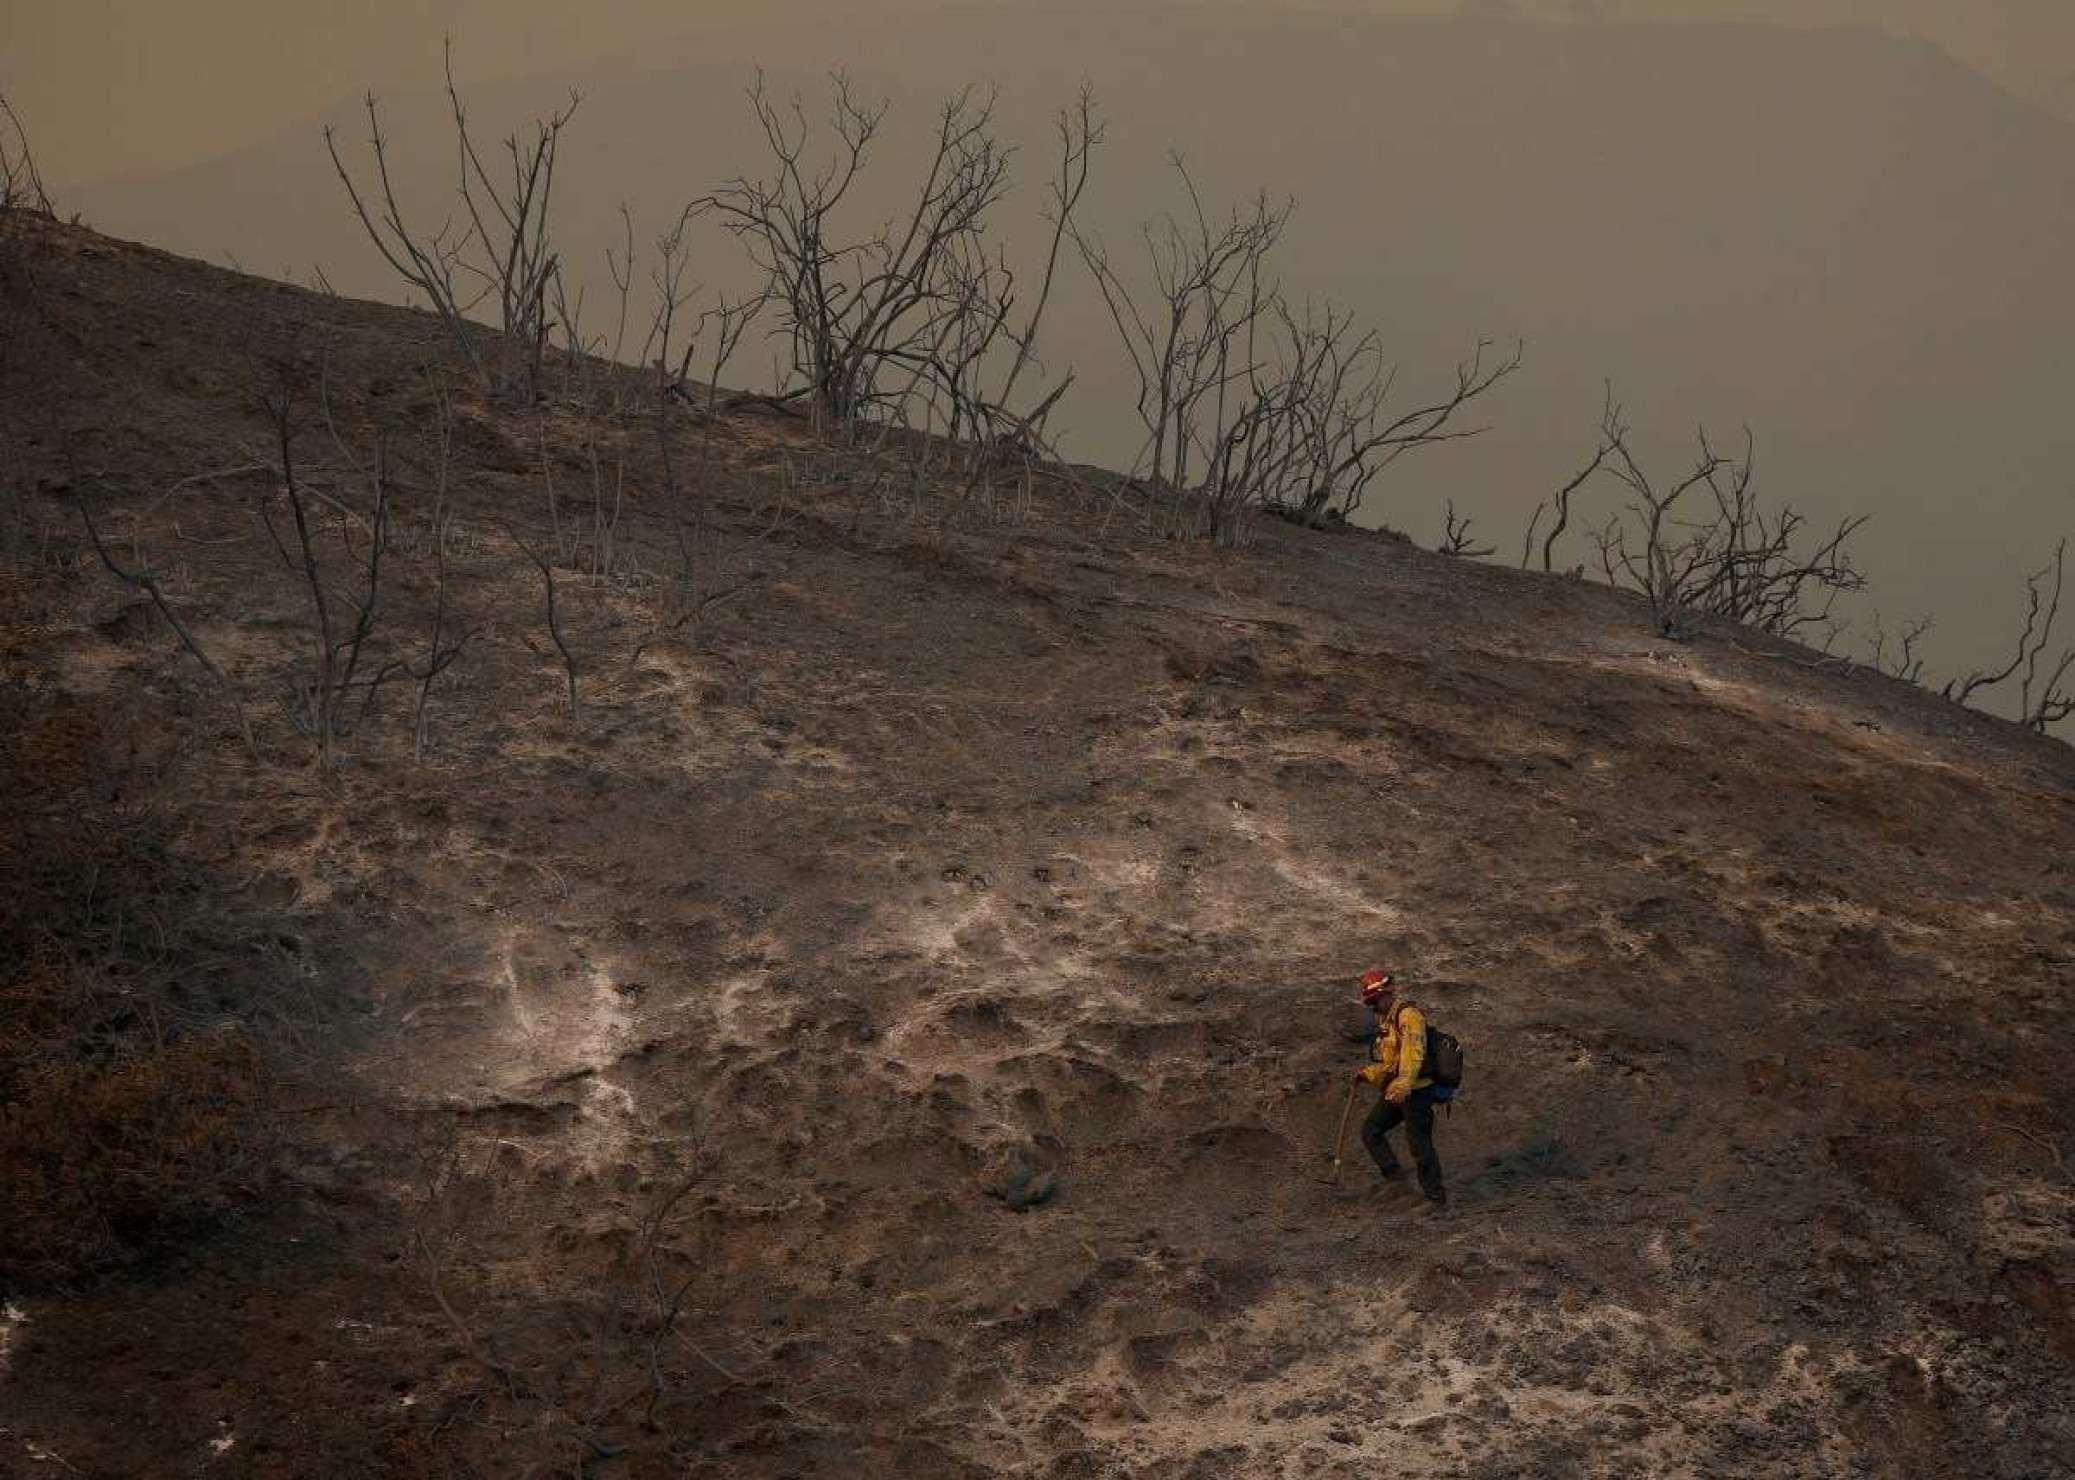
x,y
1080,131
1609,415
505,249
1457,540
547,573
21,184
1903,662
2041,702
426,263
143,580
1737,560
856,312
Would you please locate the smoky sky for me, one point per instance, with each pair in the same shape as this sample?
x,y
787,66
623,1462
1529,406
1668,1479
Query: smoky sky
x,y
122,85
1849,234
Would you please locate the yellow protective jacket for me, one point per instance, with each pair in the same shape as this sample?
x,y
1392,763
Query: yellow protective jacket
x,y
1400,1051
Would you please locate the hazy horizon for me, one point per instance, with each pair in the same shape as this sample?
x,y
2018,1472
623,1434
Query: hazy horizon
x,y
1870,269
109,86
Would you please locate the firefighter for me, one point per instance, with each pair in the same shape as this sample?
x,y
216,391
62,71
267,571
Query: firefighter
x,y
1397,1065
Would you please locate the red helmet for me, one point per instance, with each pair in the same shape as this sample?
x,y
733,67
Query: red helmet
x,y
1376,985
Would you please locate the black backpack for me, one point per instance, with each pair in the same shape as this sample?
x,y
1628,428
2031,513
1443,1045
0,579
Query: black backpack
x,y
1444,1061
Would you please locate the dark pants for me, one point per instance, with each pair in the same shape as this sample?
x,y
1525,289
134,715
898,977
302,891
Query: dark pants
x,y
1418,1115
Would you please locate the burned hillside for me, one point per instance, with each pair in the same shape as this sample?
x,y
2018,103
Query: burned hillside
x,y
861,984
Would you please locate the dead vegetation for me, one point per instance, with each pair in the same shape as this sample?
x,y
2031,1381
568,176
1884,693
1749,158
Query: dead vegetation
x,y
908,338
903,326
2044,694
1250,404
134,1003
1707,546
503,254
1896,655
141,578
21,183
24,206
340,553
1734,559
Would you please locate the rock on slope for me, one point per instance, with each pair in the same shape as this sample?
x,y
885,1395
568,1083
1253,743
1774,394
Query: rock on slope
x,y
672,1048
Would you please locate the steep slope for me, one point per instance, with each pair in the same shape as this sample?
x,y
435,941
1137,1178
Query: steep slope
x,y
1848,242
672,1057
